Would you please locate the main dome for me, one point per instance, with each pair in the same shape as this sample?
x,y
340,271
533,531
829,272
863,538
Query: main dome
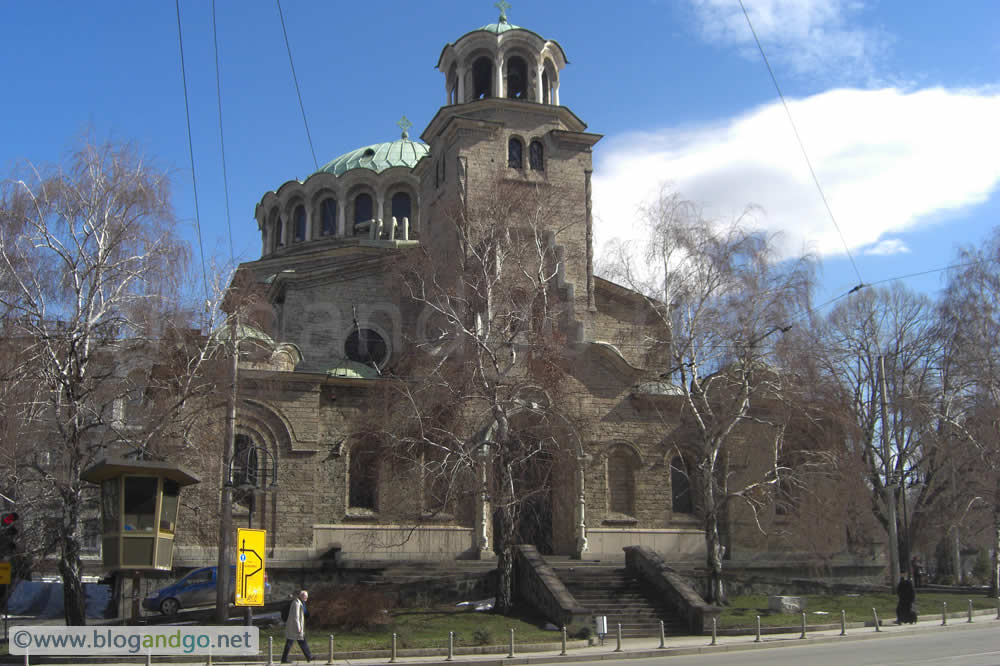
x,y
379,157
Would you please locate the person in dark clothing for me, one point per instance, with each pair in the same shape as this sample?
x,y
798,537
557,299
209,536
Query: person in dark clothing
x,y
907,594
918,571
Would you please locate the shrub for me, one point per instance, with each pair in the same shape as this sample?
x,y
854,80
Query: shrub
x,y
583,632
482,637
348,607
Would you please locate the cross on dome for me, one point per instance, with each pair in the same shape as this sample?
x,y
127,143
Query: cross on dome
x,y
503,6
405,124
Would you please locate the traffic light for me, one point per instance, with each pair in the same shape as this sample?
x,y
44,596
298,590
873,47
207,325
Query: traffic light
x,y
8,535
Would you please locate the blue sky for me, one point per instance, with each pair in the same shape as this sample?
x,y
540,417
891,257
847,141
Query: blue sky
x,y
897,104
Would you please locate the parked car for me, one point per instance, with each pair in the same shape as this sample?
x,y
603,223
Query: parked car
x,y
197,588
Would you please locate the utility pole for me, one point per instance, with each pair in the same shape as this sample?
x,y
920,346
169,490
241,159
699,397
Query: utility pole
x,y
222,591
890,489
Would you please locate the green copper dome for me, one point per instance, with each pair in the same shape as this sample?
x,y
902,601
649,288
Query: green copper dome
x,y
501,27
379,156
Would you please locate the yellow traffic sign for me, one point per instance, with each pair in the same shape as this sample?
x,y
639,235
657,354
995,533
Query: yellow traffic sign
x,y
250,567
4,573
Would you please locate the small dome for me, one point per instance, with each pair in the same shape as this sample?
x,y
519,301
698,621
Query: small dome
x,y
379,157
500,27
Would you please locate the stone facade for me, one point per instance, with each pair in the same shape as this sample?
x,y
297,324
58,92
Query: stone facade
x,y
332,311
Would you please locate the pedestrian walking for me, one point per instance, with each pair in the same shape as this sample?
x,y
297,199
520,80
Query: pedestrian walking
x,y
295,626
906,609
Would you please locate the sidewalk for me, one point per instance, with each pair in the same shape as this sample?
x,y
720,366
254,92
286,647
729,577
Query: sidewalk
x,y
576,651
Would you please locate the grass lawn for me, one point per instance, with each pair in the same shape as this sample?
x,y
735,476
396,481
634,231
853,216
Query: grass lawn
x,y
825,609
424,627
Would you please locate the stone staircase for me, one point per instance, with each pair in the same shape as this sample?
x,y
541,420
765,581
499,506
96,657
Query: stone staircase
x,y
606,589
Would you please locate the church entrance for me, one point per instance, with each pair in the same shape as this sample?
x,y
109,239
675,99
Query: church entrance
x,y
530,508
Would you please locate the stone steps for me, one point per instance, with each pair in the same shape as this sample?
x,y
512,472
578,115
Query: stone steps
x,y
608,590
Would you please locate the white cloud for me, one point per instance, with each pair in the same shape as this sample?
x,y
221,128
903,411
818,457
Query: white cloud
x,y
888,160
887,247
806,36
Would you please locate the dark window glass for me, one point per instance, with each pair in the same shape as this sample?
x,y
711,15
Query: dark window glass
x,y
536,156
244,462
362,208
401,206
514,153
482,79
365,346
140,502
279,232
680,484
300,223
110,499
328,215
545,87
517,78
363,478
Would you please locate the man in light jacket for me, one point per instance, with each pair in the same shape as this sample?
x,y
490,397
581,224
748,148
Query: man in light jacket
x,y
295,626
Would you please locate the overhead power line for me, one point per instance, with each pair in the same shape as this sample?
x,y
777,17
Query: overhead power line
x,y
194,180
802,146
222,141
295,78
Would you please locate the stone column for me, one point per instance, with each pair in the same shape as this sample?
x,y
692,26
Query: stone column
x,y
539,97
555,89
499,77
581,526
380,205
461,85
341,216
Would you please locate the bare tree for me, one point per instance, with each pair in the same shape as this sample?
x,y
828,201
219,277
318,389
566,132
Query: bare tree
x,y
900,326
723,299
970,405
478,413
90,263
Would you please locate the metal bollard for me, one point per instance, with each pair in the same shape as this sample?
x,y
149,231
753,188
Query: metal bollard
x,y
715,630
619,638
270,651
209,662
803,625
843,623
149,659
26,659
392,659
451,646
944,613
663,636
510,653
970,610
875,615
998,608
330,660
757,640
563,653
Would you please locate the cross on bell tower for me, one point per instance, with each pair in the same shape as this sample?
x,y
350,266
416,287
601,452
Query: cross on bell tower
x,y
405,124
503,6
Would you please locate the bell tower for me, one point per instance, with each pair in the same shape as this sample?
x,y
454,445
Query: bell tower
x,y
503,123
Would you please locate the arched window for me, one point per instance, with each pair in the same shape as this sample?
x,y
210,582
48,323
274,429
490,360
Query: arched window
x,y
482,78
299,223
622,464
680,486
401,206
279,232
545,88
515,150
328,217
366,346
363,209
517,78
536,156
363,477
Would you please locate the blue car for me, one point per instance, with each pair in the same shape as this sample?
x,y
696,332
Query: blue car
x,y
197,588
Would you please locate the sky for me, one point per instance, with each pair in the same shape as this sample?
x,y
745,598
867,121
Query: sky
x,y
896,105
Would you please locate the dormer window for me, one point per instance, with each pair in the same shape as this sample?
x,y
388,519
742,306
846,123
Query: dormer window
x,y
517,78
536,156
328,217
299,223
515,153
482,79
